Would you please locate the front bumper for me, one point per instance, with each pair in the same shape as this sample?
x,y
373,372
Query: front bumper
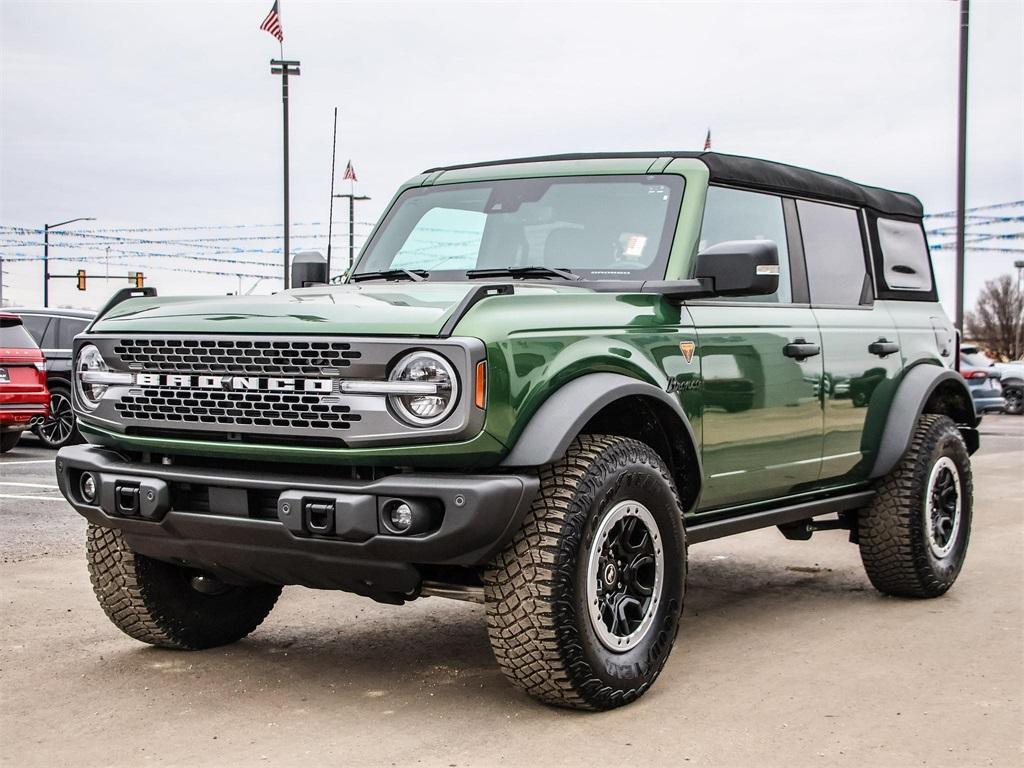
x,y
260,526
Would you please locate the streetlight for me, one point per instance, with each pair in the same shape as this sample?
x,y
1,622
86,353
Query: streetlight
x,y
1019,266
46,253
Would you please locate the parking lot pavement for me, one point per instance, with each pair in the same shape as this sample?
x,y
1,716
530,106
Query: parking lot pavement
x,y
786,657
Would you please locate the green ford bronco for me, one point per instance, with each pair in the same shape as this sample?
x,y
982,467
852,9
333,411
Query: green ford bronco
x,y
542,381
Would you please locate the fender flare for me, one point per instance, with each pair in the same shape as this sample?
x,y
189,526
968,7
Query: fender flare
x,y
908,404
561,417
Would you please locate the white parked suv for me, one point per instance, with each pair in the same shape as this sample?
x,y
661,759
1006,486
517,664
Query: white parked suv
x,y
1011,375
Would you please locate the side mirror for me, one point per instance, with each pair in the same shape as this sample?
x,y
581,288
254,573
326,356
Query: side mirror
x,y
740,267
308,268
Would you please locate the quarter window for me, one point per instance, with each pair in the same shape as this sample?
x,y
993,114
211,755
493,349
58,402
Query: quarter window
x,y
36,326
904,255
836,269
734,214
69,328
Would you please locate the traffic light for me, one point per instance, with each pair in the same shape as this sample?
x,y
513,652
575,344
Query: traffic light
x,y
81,279
138,278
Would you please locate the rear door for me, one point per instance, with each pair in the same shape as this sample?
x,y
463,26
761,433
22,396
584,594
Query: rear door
x,y
762,418
859,339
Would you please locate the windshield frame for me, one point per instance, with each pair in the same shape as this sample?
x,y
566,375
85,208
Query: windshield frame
x,y
655,270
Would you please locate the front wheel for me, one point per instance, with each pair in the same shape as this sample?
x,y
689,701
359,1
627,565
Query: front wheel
x,y
583,605
169,605
913,537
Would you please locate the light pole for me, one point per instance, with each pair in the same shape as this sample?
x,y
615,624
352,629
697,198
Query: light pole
x,y
961,163
284,68
1019,266
351,227
46,253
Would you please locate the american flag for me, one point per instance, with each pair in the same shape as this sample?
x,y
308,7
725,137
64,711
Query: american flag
x,y
707,141
272,24
350,173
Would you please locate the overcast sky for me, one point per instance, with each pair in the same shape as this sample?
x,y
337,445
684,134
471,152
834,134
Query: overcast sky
x,y
159,114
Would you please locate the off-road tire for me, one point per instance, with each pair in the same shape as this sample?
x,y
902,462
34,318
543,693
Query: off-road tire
x,y
893,537
537,618
8,440
154,602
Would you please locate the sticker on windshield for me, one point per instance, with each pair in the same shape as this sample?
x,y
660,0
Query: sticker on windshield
x,y
635,245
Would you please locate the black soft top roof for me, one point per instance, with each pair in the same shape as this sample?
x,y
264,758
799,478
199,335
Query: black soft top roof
x,y
754,173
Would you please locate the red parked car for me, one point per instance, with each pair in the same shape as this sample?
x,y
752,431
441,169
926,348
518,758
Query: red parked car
x,y
24,397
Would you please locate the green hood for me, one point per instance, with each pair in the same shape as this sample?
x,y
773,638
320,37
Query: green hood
x,y
413,309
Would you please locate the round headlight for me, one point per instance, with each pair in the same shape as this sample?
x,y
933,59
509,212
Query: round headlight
x,y
423,409
89,359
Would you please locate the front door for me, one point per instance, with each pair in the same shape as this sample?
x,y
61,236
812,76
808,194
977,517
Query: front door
x,y
761,368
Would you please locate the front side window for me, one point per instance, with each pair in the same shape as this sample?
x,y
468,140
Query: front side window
x,y
734,214
836,269
905,260
598,227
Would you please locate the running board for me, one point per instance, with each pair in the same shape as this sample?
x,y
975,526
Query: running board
x,y
727,526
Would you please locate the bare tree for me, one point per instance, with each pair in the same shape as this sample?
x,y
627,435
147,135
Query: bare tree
x,y
997,322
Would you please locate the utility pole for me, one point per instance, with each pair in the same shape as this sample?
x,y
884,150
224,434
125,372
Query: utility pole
x,y
352,197
46,254
961,164
284,68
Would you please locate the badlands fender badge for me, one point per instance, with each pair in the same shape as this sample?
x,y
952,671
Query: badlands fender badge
x,y
687,348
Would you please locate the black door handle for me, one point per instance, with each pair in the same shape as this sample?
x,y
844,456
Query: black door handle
x,y
883,347
801,349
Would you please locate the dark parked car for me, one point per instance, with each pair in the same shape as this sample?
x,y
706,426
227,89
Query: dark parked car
x,y
54,330
985,388
23,394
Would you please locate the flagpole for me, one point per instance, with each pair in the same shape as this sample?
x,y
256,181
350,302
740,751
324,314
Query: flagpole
x,y
330,215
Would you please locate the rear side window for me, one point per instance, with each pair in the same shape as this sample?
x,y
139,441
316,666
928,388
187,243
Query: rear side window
x,y
36,325
14,336
905,265
734,214
836,269
69,328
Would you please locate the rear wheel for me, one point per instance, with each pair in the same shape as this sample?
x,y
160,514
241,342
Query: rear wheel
x,y
59,428
913,537
583,605
168,605
8,440
1014,396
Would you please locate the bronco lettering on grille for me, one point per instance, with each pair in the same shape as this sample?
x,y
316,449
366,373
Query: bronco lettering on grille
x,y
235,383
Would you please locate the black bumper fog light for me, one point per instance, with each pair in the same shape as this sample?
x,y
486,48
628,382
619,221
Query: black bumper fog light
x,y
406,517
88,487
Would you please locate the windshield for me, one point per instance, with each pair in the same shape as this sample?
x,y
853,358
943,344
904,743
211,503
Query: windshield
x,y
597,227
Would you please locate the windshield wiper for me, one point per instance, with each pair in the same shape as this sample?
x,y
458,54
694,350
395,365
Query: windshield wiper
x,y
416,275
537,271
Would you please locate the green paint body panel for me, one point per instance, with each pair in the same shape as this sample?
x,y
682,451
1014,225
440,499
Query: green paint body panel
x,y
765,425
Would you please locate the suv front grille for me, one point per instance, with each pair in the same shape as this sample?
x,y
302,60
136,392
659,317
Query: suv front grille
x,y
236,411
256,357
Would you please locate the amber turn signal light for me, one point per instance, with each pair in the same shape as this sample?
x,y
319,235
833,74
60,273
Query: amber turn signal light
x,y
481,384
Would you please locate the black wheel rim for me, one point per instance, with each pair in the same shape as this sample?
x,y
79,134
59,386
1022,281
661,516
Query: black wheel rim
x,y
943,507
1014,398
624,576
56,428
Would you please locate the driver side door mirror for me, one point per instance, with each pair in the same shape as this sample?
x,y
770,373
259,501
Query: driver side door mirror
x,y
740,267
